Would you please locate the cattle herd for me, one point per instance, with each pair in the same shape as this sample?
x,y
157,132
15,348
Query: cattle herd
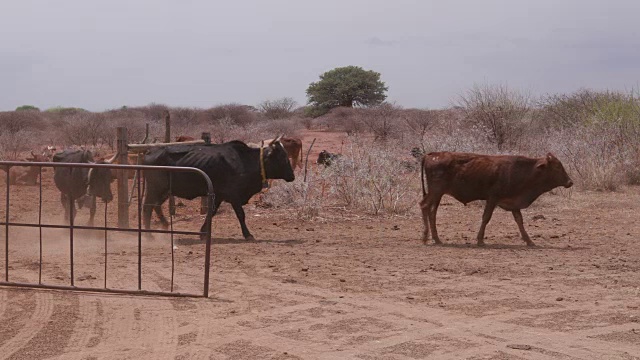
x,y
240,170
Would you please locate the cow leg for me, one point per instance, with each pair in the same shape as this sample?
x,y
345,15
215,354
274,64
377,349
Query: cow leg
x,y
65,206
154,202
486,217
216,205
429,206
72,211
433,210
237,207
424,206
517,215
92,210
160,215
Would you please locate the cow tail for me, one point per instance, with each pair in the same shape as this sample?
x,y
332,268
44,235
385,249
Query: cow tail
x,y
422,177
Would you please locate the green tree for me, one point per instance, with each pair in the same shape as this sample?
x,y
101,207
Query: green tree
x,y
346,86
27,108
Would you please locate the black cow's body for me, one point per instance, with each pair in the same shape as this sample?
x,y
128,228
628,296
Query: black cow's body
x,y
81,185
326,158
233,167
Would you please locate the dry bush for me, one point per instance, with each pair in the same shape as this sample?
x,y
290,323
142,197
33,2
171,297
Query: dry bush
x,y
370,178
152,112
278,109
21,131
15,121
225,129
342,119
454,133
12,144
84,129
240,114
270,129
568,110
383,121
185,117
419,123
501,113
599,135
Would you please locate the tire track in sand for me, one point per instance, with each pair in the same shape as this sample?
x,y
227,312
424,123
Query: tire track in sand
x,y
134,327
36,322
54,336
87,329
3,301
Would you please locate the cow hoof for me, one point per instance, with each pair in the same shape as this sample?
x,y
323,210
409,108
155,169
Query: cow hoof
x,y
437,242
531,244
481,244
250,238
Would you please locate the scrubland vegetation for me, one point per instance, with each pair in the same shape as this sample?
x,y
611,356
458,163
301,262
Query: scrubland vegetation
x,y
596,134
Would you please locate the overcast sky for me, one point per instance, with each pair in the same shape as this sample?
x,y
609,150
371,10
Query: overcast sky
x,y
104,54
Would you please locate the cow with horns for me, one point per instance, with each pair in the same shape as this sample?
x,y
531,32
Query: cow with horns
x,y
236,170
81,185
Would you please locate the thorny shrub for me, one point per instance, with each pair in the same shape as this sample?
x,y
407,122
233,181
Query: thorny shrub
x,y
370,178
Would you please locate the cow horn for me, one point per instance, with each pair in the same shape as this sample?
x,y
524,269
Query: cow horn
x,y
276,139
113,158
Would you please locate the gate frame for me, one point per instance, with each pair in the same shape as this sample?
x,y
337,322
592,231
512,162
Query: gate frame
x,y
71,226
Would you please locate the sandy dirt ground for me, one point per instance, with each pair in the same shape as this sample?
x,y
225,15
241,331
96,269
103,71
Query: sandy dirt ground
x,y
343,286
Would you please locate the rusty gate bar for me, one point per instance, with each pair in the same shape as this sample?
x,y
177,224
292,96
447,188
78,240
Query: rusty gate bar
x,y
72,227
72,215
207,258
105,246
39,228
139,232
6,230
173,250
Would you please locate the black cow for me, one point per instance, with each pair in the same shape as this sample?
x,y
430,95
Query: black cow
x,y
417,153
233,167
326,158
81,185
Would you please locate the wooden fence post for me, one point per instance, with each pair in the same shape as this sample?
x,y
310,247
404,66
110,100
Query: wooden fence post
x,y
122,176
167,126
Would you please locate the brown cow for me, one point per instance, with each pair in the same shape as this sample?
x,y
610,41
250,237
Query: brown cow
x,y
183,138
21,175
510,182
293,147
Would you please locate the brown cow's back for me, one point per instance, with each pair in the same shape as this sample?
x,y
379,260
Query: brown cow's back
x,y
183,138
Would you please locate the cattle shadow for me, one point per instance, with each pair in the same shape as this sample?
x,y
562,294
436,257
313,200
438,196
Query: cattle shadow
x,y
235,241
522,247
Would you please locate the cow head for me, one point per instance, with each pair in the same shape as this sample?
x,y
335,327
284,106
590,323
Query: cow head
x,y
276,161
100,181
553,172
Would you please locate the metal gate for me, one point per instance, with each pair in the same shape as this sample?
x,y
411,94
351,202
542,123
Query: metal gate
x,y
72,227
